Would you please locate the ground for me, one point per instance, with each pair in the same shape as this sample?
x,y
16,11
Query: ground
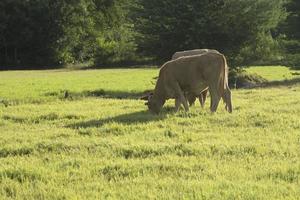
x,y
85,135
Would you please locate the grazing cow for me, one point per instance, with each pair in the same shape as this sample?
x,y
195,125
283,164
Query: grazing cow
x,y
191,98
192,74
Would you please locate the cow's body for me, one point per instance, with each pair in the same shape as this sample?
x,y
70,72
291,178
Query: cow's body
x,y
192,74
190,97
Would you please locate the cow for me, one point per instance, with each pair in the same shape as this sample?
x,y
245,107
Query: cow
x,y
202,97
192,74
193,52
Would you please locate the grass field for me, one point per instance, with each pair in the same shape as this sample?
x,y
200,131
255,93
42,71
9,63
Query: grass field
x,y
274,73
85,135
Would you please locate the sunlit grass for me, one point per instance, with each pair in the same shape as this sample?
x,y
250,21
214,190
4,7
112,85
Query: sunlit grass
x,y
100,142
274,73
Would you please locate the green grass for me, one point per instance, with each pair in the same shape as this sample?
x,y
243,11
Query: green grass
x,y
101,143
274,73
30,86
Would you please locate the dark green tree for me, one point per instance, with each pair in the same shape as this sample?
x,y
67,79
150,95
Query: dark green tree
x,y
51,32
291,26
25,32
166,26
116,44
289,32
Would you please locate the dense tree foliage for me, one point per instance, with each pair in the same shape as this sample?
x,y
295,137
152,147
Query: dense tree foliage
x,y
290,33
227,25
26,30
52,32
291,27
43,32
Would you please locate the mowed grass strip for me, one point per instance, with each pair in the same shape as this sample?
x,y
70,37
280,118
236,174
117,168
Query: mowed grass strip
x,y
108,146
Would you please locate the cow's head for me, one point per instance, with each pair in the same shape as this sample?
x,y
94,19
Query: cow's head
x,y
153,104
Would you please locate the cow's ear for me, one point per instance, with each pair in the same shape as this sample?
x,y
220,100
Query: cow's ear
x,y
145,97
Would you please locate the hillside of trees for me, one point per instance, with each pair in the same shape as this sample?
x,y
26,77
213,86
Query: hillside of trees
x,y
47,33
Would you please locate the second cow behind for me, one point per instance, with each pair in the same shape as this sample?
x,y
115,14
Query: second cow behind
x,y
190,97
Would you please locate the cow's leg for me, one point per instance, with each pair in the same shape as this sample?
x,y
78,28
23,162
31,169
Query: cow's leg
x,y
227,99
179,96
215,98
204,95
224,100
184,102
201,100
191,98
177,104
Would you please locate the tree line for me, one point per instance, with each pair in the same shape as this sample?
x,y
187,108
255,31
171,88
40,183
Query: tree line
x,y
43,33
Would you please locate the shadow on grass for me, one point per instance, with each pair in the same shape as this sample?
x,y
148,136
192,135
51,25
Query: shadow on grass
x,y
127,119
290,82
111,94
99,93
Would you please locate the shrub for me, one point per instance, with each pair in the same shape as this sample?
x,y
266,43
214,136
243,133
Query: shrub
x,y
239,78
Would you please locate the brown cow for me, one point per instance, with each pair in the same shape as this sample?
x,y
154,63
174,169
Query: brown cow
x,y
192,74
191,98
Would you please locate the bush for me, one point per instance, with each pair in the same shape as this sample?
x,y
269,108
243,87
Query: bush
x,y
239,78
264,51
292,60
291,57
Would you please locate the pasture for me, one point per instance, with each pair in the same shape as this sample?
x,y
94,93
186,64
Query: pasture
x,y
85,135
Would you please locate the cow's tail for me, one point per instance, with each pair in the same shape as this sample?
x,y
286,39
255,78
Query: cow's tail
x,y
223,76
224,89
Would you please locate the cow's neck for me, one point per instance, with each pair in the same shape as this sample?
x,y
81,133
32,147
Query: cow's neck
x,y
160,88
159,92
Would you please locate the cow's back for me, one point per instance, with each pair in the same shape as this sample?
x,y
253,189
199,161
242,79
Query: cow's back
x,y
192,52
194,71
